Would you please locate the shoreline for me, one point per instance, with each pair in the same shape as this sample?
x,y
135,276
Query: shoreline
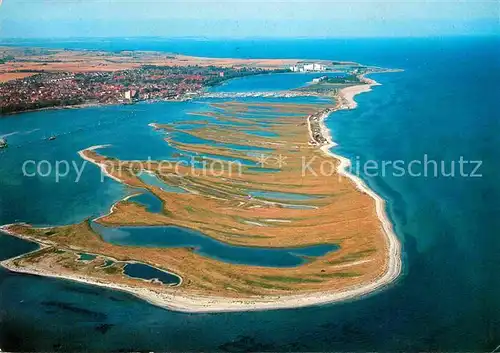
x,y
200,93
101,166
172,299
394,266
94,105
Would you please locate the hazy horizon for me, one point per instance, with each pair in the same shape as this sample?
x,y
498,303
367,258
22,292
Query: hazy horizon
x,y
254,19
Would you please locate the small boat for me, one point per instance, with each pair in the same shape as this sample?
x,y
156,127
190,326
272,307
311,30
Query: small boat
x,y
3,143
51,138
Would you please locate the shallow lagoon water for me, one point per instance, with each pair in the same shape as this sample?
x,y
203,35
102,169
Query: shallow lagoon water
x,y
152,179
236,162
146,272
86,257
185,138
176,237
447,299
152,203
107,263
261,133
263,170
280,195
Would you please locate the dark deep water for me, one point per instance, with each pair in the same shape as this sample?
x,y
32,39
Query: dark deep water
x,y
445,105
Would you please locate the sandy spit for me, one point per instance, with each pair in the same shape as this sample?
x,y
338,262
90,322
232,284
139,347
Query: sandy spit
x,y
174,299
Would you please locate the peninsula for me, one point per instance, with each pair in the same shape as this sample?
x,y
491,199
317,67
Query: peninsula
x,y
303,230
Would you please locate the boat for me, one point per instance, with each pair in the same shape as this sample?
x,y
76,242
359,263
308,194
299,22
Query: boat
x,y
3,143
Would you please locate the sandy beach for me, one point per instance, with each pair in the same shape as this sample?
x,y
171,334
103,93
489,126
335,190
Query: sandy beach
x,y
102,166
346,95
394,266
172,299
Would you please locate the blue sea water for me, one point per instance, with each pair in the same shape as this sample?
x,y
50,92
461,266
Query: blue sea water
x,y
444,105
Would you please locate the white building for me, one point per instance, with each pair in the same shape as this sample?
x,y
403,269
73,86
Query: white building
x,y
318,67
308,67
131,94
314,67
319,79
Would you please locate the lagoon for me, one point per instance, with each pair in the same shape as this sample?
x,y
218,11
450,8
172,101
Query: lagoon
x,y
154,180
177,237
152,203
86,257
146,272
286,196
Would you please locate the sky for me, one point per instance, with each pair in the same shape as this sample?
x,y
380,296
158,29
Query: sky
x,y
257,18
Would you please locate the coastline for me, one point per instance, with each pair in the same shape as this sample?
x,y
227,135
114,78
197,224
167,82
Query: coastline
x,y
201,92
102,166
170,298
394,266
93,105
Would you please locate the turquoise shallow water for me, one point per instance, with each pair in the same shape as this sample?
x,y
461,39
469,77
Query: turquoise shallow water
x,y
153,180
444,105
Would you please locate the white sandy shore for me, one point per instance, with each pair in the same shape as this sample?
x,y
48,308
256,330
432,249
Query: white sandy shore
x,y
393,244
100,165
347,94
174,299
113,206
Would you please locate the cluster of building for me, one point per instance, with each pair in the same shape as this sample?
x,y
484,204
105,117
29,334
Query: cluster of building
x,y
53,89
45,89
308,67
319,79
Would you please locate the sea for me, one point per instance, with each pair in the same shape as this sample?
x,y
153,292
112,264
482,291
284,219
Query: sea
x,y
442,108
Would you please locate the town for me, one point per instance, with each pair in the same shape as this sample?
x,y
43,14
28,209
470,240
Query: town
x,y
148,82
